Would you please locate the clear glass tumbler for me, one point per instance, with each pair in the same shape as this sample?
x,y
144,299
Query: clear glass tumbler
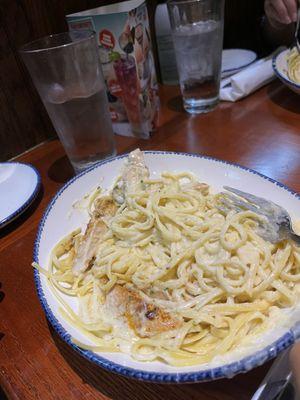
x,y
66,71
197,31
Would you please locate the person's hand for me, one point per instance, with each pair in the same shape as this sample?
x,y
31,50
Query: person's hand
x,y
281,12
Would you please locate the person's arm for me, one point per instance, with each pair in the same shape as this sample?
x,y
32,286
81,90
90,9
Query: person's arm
x,y
295,366
279,24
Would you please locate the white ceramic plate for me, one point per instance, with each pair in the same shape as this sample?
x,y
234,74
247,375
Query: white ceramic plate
x,y
19,186
234,60
57,222
280,69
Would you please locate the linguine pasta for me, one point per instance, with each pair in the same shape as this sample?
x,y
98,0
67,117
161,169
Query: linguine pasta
x,y
293,64
172,277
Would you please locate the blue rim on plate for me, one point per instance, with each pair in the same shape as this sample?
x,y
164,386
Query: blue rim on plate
x,y
280,75
30,199
225,371
237,69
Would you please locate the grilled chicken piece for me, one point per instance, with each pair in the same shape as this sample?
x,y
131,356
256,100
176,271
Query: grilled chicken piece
x,y
104,207
199,186
134,172
144,318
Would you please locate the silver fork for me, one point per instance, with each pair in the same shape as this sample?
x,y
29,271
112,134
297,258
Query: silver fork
x,y
296,39
276,224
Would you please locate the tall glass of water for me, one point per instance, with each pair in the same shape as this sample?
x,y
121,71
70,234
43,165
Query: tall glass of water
x,y
197,30
66,71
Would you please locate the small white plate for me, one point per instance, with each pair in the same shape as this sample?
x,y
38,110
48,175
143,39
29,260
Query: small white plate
x,y
234,60
19,186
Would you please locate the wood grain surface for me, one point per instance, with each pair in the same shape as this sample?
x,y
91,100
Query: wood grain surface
x,y
260,132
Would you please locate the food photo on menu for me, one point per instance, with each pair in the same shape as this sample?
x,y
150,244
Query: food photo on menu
x,y
126,56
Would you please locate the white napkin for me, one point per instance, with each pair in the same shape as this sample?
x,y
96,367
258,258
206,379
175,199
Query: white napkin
x,y
247,81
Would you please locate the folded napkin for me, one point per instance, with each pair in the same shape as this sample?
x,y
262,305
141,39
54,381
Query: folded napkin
x,y
248,80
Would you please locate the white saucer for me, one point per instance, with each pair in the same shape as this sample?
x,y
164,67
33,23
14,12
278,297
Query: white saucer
x,y
19,186
234,60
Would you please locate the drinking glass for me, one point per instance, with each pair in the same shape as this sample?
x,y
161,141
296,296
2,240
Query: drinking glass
x,y
197,31
66,71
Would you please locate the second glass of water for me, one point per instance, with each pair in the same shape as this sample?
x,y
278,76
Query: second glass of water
x,y
66,71
197,30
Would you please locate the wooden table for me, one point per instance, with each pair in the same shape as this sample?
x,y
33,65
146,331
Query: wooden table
x,y
261,132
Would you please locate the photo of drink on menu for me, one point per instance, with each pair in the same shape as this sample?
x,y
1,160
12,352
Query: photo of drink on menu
x,y
125,51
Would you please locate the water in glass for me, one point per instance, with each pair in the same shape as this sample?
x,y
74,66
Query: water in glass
x,y
82,123
198,54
